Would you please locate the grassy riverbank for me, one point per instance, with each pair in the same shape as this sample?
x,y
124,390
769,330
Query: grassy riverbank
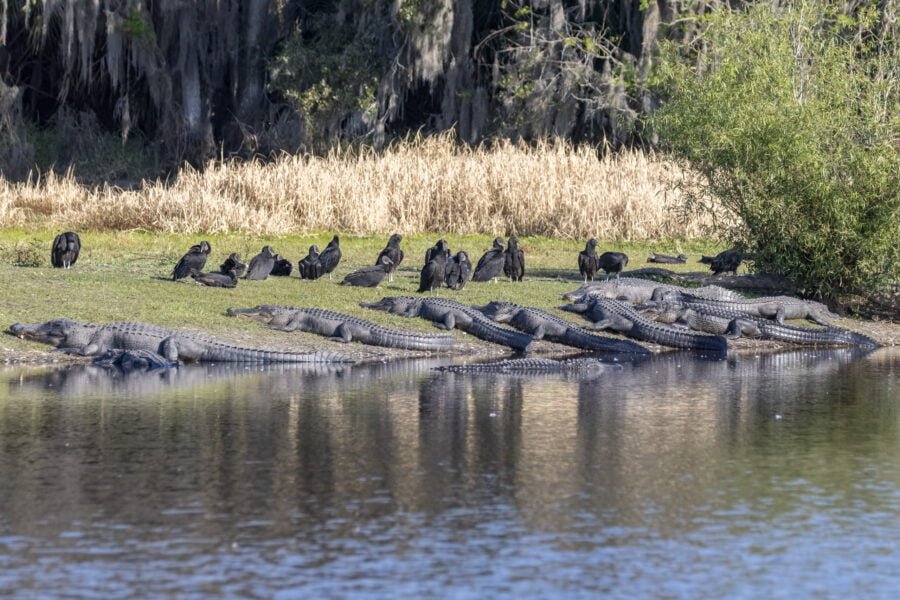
x,y
123,276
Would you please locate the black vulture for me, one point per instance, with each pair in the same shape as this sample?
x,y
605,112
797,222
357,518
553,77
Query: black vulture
x,y
369,276
331,256
587,260
514,260
669,260
282,267
729,260
435,270
65,249
612,262
310,267
441,247
222,280
393,252
491,263
194,259
459,271
261,265
233,263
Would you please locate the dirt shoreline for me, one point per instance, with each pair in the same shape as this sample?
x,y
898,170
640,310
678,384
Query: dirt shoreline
x,y
467,349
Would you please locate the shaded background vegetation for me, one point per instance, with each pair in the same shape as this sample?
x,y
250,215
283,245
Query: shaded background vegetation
x,y
194,79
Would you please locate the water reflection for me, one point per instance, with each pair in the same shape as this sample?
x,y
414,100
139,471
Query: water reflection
x,y
226,479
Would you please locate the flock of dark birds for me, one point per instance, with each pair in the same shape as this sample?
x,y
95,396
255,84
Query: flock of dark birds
x,y
441,266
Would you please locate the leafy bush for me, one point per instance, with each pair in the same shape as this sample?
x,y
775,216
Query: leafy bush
x,y
791,114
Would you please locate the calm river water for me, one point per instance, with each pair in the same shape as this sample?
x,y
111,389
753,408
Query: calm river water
x,y
773,476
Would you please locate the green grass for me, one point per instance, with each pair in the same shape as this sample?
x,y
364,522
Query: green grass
x,y
124,276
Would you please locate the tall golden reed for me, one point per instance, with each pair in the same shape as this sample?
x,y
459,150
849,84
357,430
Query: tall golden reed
x,y
424,185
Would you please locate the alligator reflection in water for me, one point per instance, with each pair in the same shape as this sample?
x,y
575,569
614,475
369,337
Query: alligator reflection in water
x,y
258,470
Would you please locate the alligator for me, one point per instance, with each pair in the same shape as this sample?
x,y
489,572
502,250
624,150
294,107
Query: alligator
x,y
133,360
447,314
769,307
607,313
721,321
342,328
87,339
668,259
542,325
637,290
535,366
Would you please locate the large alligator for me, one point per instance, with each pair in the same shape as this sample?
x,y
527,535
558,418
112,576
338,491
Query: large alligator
x,y
342,328
725,322
607,313
535,366
636,290
542,325
770,307
86,339
448,314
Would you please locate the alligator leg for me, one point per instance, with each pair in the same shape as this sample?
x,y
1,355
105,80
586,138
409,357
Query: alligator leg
x,y
291,325
449,322
342,334
748,328
600,325
734,330
170,350
576,307
538,333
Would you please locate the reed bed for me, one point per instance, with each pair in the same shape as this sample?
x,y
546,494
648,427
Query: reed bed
x,y
553,189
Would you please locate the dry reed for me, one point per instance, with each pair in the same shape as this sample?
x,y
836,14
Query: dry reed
x,y
429,185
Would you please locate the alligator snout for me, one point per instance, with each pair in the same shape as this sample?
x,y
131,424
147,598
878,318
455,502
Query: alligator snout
x,y
17,329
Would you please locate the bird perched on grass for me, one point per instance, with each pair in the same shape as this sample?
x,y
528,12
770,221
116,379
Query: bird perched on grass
x,y
65,249
331,256
441,247
226,280
587,260
434,272
491,263
282,267
728,260
514,260
233,263
393,252
369,276
261,265
459,271
194,259
612,262
310,267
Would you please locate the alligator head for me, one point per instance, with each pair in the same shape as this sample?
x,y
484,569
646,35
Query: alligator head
x,y
661,311
498,310
264,312
396,305
62,333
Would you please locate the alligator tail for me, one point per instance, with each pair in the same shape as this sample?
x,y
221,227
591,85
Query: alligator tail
x,y
587,341
680,339
485,330
235,354
832,336
407,341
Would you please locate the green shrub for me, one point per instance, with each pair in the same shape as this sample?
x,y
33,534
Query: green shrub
x,y
25,254
791,114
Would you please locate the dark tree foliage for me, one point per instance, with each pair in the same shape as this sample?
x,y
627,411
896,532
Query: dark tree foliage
x,y
250,77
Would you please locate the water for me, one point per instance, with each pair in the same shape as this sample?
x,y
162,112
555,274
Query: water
x,y
761,476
